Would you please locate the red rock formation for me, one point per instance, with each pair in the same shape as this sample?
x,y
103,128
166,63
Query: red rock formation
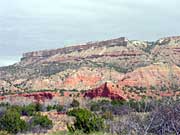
x,y
153,75
106,90
86,66
40,96
37,97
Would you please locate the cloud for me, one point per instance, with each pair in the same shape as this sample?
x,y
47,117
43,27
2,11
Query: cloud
x,y
45,24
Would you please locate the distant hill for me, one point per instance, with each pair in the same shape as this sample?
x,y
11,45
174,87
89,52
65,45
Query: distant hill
x,y
90,65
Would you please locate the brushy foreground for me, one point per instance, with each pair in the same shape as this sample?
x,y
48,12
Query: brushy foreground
x,y
98,117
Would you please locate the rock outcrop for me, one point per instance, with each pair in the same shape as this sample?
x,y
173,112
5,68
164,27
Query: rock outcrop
x,y
40,55
88,66
113,42
30,97
157,80
107,90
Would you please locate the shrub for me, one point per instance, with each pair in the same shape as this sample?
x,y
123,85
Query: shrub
x,y
49,108
152,87
11,122
38,107
59,108
78,95
62,92
42,121
74,90
15,108
4,104
75,103
86,121
163,88
82,91
117,102
29,110
95,107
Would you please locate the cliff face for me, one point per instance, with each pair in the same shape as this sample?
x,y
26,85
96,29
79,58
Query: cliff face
x,y
47,53
167,50
113,53
108,90
88,66
154,80
64,54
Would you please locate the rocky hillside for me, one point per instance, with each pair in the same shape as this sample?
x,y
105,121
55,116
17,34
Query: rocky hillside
x,y
86,66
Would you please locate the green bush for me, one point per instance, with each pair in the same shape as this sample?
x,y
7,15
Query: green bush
x,y
42,121
74,90
95,107
29,110
38,107
86,121
62,92
75,103
4,104
50,107
59,108
15,108
11,122
118,102
153,87
163,88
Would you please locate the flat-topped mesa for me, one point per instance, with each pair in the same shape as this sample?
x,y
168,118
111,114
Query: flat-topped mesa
x,y
46,53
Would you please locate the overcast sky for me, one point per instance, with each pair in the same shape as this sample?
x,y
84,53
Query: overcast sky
x,y
27,25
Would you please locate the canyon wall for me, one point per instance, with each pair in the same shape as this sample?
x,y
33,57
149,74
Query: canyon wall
x,y
46,53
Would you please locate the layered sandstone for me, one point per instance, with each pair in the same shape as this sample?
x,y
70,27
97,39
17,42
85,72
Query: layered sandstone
x,y
145,81
48,53
157,74
107,90
88,66
167,50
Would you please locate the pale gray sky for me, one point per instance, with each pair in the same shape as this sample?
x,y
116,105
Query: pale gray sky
x,y
27,25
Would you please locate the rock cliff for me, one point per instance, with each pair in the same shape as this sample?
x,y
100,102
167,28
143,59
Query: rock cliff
x,y
127,63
